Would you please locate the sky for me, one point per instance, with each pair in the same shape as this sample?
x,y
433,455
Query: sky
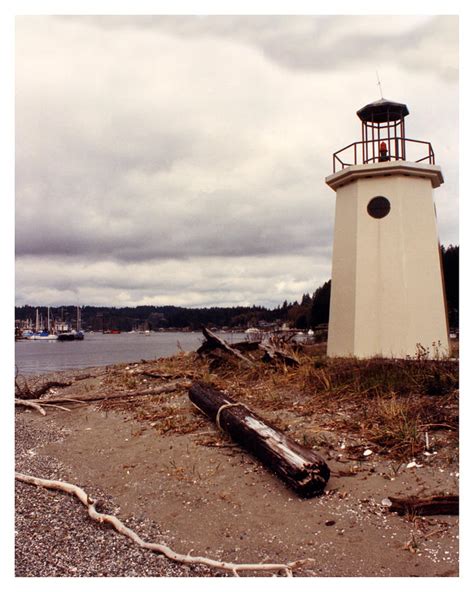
x,y
182,160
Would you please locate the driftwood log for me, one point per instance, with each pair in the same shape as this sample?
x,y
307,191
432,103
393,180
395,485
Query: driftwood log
x,y
431,506
272,352
300,468
214,342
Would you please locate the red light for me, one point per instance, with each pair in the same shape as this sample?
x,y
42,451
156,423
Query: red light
x,y
383,156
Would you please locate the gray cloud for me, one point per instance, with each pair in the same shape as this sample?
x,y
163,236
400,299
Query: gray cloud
x,y
319,42
182,159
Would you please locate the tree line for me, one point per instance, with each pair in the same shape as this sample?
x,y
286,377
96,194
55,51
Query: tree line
x,y
310,312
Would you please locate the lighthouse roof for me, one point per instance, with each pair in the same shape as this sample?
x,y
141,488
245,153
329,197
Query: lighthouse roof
x,y
383,110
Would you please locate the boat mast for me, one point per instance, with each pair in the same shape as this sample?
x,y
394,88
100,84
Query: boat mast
x,y
37,321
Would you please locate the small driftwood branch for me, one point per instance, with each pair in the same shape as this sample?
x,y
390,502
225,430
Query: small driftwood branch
x,y
166,388
161,548
32,404
56,407
155,375
166,376
215,342
431,506
37,406
68,400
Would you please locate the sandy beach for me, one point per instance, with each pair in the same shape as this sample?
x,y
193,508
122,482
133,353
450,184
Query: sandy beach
x,y
169,473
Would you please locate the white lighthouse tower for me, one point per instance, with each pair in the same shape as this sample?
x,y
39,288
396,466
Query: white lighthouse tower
x,y
387,293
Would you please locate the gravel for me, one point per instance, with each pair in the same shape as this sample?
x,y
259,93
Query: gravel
x,y
54,535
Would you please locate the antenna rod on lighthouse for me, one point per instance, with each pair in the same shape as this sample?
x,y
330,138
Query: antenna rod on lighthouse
x,y
379,84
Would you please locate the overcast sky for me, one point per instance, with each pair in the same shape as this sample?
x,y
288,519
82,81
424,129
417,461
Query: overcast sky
x,y
181,160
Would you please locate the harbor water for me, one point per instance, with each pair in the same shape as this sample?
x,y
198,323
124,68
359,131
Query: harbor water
x,y
97,349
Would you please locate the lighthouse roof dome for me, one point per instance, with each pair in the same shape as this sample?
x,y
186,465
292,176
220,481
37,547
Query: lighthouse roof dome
x,y
383,110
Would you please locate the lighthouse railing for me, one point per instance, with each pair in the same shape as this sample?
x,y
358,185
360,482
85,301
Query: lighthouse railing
x,y
367,152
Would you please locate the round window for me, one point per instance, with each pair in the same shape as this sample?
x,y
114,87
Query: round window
x,y
378,207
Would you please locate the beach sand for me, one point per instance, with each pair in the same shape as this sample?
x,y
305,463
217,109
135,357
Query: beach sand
x,y
168,473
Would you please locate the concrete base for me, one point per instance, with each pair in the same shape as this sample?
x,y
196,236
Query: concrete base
x,y
387,294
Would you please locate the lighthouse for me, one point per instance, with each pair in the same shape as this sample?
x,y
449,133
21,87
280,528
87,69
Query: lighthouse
x,y
387,292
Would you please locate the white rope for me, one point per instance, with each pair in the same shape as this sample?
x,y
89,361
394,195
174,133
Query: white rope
x,y
226,406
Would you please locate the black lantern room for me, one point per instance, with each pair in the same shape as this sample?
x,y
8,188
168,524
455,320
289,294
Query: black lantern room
x,y
383,138
383,131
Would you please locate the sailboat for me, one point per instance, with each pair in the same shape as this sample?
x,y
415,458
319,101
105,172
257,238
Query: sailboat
x,y
73,335
40,333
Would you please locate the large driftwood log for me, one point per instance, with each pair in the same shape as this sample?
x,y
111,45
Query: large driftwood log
x,y
431,506
303,469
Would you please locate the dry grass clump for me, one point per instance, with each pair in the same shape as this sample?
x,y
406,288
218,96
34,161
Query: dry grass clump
x,y
399,424
391,403
377,375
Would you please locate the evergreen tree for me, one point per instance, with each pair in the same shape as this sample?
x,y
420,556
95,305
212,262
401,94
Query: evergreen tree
x,y
320,308
450,260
